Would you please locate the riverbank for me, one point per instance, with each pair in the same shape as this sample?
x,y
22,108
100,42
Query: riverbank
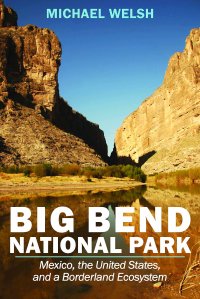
x,y
18,185
177,178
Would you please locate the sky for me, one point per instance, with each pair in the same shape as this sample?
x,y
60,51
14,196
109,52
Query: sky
x,y
109,66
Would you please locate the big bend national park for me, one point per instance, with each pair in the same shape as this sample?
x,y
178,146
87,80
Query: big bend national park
x,y
144,153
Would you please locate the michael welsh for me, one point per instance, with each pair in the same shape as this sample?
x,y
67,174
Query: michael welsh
x,y
97,13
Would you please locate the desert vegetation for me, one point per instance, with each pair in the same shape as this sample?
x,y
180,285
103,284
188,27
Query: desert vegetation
x,y
42,170
179,177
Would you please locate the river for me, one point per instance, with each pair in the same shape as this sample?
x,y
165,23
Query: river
x,y
16,274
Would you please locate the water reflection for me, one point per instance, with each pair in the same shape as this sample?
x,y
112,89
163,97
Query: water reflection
x,y
15,275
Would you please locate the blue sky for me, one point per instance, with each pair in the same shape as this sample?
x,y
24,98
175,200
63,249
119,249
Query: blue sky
x,y
110,66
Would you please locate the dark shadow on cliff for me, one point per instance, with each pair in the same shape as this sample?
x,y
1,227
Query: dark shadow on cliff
x,y
3,146
145,157
18,98
14,69
145,203
15,74
71,121
116,160
7,152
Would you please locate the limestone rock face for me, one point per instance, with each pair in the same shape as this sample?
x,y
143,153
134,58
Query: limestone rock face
x,y
163,133
8,16
29,62
28,138
29,65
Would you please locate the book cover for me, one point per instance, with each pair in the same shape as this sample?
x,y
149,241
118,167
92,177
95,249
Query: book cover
x,y
99,149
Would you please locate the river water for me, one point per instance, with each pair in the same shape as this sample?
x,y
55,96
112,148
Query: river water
x,y
16,274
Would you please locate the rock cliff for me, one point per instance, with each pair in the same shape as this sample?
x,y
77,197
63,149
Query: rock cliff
x,y
29,62
30,58
163,134
8,16
72,121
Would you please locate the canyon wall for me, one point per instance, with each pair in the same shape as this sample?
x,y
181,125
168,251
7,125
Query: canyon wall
x,y
29,63
163,134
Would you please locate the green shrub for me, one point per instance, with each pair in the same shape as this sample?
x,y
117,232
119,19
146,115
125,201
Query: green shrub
x,y
27,172
11,169
42,170
119,171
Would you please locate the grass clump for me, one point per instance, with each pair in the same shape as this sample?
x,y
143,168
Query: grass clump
x,y
42,170
191,175
69,169
10,169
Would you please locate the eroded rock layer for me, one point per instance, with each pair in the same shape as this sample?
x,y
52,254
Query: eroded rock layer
x,y
28,138
29,59
163,134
